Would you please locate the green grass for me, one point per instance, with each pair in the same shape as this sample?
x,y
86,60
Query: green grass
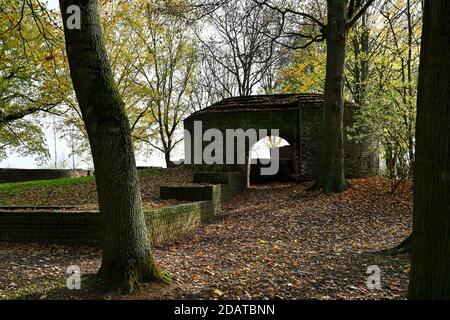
x,y
15,187
152,172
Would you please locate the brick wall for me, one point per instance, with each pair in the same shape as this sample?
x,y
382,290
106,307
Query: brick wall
x,y
228,184
360,159
50,226
175,222
310,142
164,224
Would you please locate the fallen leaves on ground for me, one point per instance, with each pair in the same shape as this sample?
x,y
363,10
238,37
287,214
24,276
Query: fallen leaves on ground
x,y
271,242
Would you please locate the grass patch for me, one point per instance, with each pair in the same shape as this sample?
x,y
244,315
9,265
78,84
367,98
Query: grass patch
x,y
152,172
383,259
15,187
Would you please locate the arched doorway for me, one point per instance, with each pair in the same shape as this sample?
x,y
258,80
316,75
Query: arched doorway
x,y
298,119
262,153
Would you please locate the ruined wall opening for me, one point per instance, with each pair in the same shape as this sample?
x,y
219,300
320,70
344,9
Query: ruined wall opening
x,y
263,154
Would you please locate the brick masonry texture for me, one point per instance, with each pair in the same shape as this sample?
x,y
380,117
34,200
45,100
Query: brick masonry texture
x,y
299,121
164,224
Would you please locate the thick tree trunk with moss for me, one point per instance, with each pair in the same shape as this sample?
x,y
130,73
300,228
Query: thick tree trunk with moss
x,y
430,266
126,254
331,176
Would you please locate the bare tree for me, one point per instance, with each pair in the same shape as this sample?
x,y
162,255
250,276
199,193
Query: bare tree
x,y
297,28
237,51
213,83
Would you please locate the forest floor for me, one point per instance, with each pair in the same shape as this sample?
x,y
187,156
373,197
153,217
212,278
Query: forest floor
x,y
273,241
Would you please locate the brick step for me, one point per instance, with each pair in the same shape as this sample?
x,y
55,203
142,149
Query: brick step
x,y
187,193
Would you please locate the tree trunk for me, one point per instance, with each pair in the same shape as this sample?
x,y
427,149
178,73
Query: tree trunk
x,y
169,163
411,151
430,265
361,49
126,254
331,176
365,38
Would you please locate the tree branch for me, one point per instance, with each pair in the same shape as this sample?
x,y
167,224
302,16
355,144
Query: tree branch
x,y
359,14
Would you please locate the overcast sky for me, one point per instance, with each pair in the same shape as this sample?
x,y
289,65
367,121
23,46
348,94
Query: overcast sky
x,y
53,4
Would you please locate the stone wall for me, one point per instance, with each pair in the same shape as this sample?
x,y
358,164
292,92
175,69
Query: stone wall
x,y
18,175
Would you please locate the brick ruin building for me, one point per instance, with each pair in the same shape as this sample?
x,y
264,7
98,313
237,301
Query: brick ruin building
x,y
298,117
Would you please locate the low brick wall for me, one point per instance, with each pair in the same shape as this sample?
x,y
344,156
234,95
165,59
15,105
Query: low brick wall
x,y
228,184
164,224
233,182
50,226
175,222
186,193
18,175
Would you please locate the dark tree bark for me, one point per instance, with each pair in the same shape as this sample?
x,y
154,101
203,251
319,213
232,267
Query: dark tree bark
x,y
342,16
169,163
361,49
19,114
126,253
331,176
430,266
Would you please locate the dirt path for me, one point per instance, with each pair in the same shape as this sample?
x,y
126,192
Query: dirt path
x,y
276,241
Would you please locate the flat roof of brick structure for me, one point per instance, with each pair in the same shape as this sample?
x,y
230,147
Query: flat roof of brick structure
x,y
267,102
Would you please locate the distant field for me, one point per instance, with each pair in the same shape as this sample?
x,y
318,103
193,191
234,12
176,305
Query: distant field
x,y
82,191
